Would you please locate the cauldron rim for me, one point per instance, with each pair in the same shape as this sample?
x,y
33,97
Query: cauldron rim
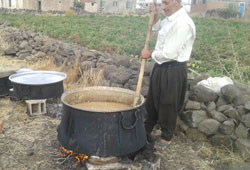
x,y
63,77
65,94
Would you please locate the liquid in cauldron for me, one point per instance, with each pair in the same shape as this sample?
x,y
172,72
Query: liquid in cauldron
x,y
103,106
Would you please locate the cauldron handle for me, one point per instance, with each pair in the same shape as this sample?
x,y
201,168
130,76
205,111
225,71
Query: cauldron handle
x,y
133,125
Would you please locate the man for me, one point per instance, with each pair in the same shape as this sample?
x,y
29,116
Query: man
x,y
169,77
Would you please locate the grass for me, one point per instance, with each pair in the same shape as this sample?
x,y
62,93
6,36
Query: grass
x,y
76,78
221,46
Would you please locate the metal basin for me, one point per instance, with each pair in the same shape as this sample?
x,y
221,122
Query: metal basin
x,y
38,84
102,133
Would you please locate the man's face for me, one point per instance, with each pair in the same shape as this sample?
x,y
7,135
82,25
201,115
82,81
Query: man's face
x,y
170,6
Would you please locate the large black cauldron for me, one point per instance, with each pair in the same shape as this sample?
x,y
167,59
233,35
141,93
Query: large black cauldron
x,y
102,133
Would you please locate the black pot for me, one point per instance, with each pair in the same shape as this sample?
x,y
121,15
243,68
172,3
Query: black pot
x,y
100,133
5,83
24,92
37,84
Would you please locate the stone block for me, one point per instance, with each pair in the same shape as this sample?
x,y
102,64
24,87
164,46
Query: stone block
x,y
36,107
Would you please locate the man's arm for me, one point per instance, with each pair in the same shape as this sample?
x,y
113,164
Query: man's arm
x,y
154,8
145,54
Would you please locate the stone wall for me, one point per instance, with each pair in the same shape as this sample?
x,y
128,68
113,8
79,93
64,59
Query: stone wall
x,y
44,5
223,119
77,11
29,11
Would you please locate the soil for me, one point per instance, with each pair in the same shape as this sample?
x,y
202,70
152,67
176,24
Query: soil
x,y
31,143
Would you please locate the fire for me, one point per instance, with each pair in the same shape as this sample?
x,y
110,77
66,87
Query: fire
x,y
78,156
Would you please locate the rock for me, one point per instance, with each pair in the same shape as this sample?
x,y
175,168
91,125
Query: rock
x,y
232,113
218,116
243,87
223,108
102,160
23,55
209,126
241,131
23,44
86,65
195,135
40,54
149,67
197,79
100,65
203,106
202,94
241,100
227,127
25,36
183,126
12,50
38,38
35,44
241,110
120,77
192,105
109,69
65,50
33,52
247,105
242,146
246,120
28,48
193,118
144,91
229,92
109,61
222,140
221,101
121,60
135,65
211,106
131,82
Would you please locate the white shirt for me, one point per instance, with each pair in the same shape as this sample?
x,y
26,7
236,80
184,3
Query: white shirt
x,y
175,38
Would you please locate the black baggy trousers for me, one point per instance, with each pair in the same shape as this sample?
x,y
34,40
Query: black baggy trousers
x,y
165,97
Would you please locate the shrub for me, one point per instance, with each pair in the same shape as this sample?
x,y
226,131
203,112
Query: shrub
x,y
70,13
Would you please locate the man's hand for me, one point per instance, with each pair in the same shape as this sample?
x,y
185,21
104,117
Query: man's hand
x,y
154,8
145,54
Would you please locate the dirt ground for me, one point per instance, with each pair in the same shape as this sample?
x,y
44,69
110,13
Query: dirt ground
x,y
31,143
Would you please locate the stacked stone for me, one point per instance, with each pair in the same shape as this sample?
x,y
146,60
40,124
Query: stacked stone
x,y
119,71
222,118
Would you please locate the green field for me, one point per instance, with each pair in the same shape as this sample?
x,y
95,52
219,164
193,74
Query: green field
x,y
222,47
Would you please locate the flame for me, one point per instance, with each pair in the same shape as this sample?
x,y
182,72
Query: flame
x,y
78,156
